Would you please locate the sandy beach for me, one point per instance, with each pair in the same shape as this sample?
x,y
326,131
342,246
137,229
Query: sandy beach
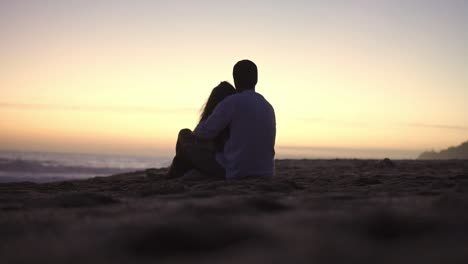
x,y
313,211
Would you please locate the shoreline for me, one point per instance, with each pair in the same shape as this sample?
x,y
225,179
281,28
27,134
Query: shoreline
x,y
71,173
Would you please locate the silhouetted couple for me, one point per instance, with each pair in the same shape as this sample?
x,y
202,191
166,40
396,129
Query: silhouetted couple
x,y
236,133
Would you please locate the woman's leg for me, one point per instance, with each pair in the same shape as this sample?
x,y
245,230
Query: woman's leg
x,y
179,166
192,155
202,159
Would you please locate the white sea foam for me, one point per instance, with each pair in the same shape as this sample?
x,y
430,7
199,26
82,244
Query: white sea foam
x,y
45,167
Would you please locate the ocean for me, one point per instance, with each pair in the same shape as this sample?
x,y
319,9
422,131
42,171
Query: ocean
x,y
42,167
16,166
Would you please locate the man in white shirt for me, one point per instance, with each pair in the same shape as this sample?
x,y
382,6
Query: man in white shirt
x,y
250,148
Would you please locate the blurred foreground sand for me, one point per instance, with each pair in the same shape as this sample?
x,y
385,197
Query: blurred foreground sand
x,y
313,211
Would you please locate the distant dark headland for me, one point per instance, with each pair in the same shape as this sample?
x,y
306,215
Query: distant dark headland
x,y
458,152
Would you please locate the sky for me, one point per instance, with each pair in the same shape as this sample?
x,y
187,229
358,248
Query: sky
x,y
365,78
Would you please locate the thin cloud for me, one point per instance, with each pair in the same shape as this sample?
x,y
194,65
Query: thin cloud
x,y
316,120
438,126
378,124
101,108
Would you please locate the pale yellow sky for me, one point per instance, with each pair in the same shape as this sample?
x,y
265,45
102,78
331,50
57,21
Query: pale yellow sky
x,y
125,77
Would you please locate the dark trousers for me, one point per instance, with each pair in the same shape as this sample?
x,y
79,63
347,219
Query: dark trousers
x,y
192,154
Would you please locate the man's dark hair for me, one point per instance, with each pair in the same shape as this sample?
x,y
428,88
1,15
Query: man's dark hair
x,y
245,75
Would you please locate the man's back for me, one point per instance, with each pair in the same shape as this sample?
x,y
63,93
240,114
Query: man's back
x,y
250,149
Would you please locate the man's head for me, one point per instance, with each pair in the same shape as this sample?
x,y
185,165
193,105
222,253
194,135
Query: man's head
x,y
245,75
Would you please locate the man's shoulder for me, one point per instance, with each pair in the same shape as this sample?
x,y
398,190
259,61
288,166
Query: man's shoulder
x,y
250,94
251,97
233,99
263,99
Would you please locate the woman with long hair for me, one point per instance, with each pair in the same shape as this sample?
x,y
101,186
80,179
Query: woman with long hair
x,y
179,165
223,90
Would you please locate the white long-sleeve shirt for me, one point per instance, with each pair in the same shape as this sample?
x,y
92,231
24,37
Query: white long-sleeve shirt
x,y
250,149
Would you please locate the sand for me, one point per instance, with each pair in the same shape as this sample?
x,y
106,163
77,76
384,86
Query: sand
x,y
313,211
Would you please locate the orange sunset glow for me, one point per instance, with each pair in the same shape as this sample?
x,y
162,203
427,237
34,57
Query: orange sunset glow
x,y
389,77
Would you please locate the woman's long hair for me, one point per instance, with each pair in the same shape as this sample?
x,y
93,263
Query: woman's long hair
x,y
223,90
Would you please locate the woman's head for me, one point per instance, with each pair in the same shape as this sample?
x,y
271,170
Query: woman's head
x,y
223,90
